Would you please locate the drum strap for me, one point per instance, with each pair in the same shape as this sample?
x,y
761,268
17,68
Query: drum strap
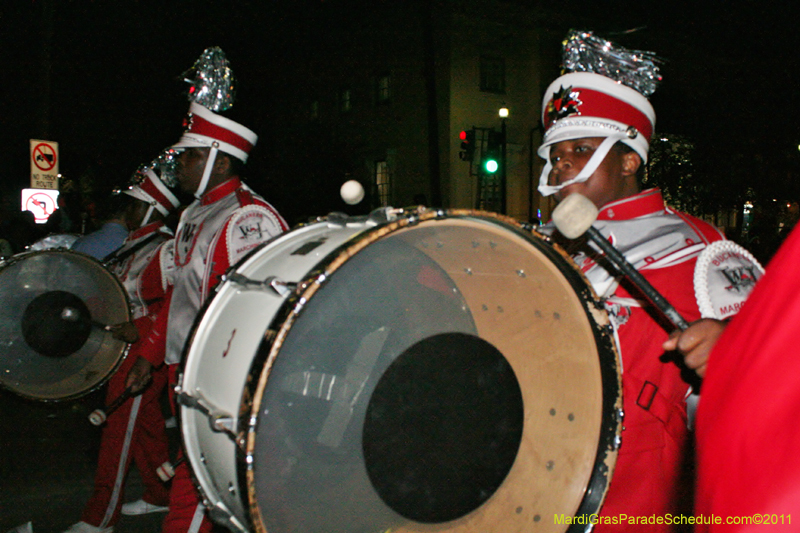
x,y
114,257
655,403
244,196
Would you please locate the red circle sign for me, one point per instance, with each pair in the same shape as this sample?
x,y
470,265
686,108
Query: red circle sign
x,y
44,157
41,205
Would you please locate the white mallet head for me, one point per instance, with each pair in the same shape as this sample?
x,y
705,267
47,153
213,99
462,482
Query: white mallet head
x,y
97,417
352,192
574,215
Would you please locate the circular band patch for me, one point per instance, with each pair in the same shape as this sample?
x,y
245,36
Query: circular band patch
x,y
250,226
724,275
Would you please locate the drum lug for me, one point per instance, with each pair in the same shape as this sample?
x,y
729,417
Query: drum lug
x,y
223,517
383,215
280,287
336,220
218,420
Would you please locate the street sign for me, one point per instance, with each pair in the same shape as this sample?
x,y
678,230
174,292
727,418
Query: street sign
x,y
44,164
41,202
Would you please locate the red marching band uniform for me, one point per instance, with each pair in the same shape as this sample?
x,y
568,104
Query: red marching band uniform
x,y
662,244
215,231
135,431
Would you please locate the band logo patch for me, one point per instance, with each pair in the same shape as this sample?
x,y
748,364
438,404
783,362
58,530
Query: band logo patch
x,y
250,226
741,279
724,275
185,242
188,232
618,314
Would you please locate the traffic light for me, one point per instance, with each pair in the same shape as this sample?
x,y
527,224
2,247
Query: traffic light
x,y
467,152
493,152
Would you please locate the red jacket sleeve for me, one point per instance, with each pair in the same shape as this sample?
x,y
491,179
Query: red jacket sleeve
x,y
153,347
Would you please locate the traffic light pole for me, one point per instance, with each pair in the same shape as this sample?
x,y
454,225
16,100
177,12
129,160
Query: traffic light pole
x,y
503,167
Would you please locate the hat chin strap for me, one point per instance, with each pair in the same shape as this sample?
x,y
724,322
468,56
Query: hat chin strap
x,y
585,173
147,216
212,157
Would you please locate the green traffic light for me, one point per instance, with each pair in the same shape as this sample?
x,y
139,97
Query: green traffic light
x,y
490,165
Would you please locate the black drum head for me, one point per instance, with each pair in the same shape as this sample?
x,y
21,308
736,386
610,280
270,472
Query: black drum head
x,y
443,428
51,349
56,323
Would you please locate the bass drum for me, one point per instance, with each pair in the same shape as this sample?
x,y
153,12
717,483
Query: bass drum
x,y
405,372
53,345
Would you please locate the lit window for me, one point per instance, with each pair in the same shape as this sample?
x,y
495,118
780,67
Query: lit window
x,y
493,75
382,182
344,100
383,89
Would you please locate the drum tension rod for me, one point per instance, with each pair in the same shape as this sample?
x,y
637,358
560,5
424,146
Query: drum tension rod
x,y
218,420
280,287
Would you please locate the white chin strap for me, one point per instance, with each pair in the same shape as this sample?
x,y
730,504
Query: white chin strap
x,y
594,162
147,216
212,157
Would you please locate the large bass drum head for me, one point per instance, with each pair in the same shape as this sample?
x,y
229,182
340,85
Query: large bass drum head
x,y
55,303
439,373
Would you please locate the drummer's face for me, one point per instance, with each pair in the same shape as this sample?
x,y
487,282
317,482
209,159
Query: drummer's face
x,y
189,170
614,179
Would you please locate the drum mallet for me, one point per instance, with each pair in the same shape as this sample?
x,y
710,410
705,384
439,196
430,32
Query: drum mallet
x,y
574,217
98,416
167,470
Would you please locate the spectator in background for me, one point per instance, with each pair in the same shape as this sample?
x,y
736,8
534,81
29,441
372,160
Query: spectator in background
x,y
21,231
102,242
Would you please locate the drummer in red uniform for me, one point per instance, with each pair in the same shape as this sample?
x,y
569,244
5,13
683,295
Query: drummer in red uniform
x,y
748,468
596,142
226,221
135,431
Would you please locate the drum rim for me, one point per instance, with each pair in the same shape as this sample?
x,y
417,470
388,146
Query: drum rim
x,y
290,309
8,261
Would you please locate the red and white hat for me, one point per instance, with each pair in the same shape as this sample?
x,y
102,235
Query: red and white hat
x,y
149,188
585,104
205,129
152,190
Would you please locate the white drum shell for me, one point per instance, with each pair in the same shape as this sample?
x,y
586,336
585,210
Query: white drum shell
x,y
219,368
223,346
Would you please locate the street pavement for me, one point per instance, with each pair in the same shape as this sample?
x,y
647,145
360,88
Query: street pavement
x,y
48,455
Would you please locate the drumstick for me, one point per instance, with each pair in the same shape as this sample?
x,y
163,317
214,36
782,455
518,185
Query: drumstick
x,y
574,217
98,416
167,470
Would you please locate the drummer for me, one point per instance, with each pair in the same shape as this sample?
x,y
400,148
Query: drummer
x,y
596,143
226,220
135,431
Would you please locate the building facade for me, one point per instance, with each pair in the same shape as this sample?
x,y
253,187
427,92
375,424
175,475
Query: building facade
x,y
382,96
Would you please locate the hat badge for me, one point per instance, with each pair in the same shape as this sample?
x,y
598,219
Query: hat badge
x,y
565,102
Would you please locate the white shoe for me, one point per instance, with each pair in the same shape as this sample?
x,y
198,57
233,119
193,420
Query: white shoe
x,y
141,507
83,527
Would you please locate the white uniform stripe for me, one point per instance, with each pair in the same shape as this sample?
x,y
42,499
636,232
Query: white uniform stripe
x,y
197,520
123,458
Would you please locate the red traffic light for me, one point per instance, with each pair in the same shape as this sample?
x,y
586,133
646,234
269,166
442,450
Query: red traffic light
x,y
467,145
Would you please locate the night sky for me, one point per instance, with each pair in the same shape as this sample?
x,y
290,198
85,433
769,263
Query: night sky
x,y
112,95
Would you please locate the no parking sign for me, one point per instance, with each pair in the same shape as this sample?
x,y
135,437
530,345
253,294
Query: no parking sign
x,y
44,164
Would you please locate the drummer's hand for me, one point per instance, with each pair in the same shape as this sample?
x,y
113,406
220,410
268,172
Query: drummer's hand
x,y
696,342
125,332
139,375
